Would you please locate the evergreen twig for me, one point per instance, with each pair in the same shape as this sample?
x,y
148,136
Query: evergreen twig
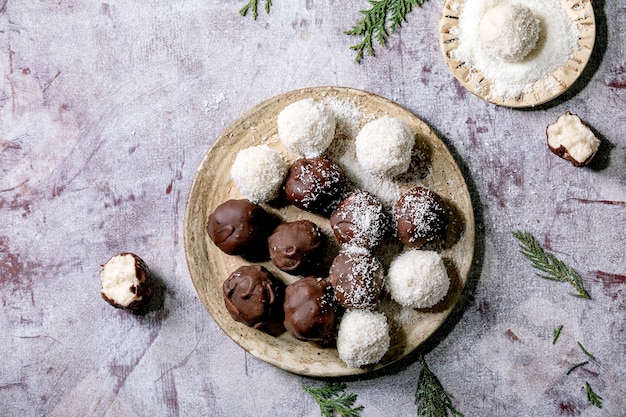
x,y
332,398
430,397
548,265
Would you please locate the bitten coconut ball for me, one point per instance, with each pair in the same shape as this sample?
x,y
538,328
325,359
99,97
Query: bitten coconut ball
x,y
258,172
571,139
363,337
384,146
417,279
509,32
126,281
306,127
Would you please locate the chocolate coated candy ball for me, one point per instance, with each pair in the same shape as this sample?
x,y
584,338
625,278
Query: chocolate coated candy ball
x,y
296,247
309,312
421,217
239,227
357,279
250,295
126,281
360,220
316,185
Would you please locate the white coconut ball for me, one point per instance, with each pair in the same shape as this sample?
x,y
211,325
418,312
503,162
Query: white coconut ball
x,y
509,31
259,172
384,146
363,337
417,279
306,127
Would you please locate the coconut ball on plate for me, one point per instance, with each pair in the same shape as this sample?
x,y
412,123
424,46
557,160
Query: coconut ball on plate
x,y
126,281
306,127
384,146
417,279
363,337
258,172
509,31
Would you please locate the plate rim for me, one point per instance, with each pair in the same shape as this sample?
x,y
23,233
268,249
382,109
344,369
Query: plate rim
x,y
190,244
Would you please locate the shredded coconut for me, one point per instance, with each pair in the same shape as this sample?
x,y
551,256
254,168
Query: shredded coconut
x,y
417,279
363,337
258,172
306,127
383,146
558,39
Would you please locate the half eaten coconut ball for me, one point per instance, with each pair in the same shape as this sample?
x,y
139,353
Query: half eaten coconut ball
x,y
126,281
571,139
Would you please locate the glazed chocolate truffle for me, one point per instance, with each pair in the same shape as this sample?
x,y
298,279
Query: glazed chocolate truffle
x,y
239,227
296,247
316,185
309,311
357,279
126,281
421,217
360,220
250,295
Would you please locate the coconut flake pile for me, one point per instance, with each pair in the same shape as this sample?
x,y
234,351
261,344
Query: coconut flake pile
x,y
558,39
417,279
384,145
306,127
363,337
258,172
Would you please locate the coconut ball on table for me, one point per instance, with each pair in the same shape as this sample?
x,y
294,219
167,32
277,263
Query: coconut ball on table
x,y
126,281
306,127
363,337
259,172
384,146
417,279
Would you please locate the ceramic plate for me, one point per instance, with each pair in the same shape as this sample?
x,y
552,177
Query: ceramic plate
x,y
433,167
545,89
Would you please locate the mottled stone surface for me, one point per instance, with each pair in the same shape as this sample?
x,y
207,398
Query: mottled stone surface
x,y
106,109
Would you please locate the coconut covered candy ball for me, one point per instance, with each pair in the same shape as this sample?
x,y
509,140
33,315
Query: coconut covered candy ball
x,y
417,279
259,172
421,217
357,278
126,281
363,337
509,31
384,146
306,127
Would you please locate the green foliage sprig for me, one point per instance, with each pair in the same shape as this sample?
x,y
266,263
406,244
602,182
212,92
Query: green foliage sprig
x,y
384,17
593,398
550,266
332,398
253,6
430,396
556,333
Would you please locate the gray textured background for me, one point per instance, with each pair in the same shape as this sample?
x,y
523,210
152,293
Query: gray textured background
x,y
106,110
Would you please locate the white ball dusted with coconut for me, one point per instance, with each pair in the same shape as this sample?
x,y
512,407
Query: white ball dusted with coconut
x,y
384,146
306,127
259,172
363,337
417,279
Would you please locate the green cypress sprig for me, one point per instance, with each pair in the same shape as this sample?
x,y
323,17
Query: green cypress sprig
x,y
378,22
430,397
253,7
548,265
593,398
332,398
556,333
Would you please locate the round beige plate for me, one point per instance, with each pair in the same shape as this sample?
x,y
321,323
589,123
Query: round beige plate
x,y
209,267
581,14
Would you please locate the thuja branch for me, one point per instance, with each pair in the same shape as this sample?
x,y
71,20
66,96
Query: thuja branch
x,y
253,7
431,398
378,22
548,265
